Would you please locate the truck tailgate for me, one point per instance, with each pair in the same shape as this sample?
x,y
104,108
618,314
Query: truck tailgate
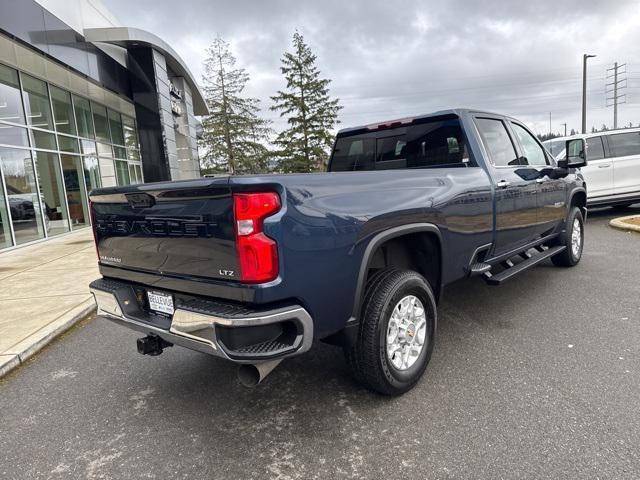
x,y
185,231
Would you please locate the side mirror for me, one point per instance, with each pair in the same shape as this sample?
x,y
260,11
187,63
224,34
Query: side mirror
x,y
576,154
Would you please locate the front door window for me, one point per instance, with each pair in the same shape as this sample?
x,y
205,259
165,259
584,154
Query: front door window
x,y
533,151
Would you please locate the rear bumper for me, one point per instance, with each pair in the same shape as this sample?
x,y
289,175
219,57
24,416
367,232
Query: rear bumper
x,y
219,329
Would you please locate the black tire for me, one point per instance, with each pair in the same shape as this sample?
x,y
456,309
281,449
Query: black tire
x,y
569,256
367,358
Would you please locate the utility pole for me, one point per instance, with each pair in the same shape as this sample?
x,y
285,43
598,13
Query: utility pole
x,y
565,128
614,90
584,91
550,134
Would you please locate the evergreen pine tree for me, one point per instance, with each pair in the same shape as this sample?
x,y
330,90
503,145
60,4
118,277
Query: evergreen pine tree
x,y
234,135
311,113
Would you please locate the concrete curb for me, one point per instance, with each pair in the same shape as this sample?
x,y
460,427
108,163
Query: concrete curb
x,y
20,352
622,225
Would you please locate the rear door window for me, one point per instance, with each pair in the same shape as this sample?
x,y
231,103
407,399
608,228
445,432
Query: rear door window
x,y
625,144
432,144
595,149
497,141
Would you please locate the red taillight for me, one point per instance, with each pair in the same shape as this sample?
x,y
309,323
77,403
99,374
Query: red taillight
x,y
257,253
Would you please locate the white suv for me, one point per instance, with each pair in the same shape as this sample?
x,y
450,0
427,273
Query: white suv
x,y
613,166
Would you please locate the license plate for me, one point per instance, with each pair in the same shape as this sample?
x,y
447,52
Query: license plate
x,y
160,302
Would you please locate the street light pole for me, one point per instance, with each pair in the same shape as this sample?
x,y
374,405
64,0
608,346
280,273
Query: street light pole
x,y
565,128
584,91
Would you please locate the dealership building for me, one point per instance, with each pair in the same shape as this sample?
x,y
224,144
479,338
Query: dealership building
x,y
85,102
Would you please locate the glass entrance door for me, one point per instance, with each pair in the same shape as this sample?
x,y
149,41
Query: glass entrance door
x,y
76,193
52,193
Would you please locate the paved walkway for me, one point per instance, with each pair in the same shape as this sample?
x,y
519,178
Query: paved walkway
x,y
44,289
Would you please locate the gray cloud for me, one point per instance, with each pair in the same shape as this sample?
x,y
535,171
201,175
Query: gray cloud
x,y
389,59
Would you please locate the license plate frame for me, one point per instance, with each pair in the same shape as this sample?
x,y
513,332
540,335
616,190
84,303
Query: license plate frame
x,y
160,302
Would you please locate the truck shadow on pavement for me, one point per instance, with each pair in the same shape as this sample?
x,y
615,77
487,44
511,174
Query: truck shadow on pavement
x,y
317,383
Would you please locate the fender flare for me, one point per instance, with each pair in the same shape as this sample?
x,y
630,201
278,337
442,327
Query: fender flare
x,y
574,192
372,246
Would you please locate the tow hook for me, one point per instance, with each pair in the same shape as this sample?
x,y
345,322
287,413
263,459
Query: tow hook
x,y
152,345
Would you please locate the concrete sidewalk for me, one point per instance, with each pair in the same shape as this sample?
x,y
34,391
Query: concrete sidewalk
x,y
44,290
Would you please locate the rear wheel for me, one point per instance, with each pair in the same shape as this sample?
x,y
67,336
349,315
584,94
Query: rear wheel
x,y
397,332
572,239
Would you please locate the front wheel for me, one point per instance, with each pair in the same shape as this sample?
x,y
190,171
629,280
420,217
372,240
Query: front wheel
x,y
396,334
573,239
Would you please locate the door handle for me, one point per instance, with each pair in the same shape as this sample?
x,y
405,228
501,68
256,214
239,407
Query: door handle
x,y
606,165
503,184
540,180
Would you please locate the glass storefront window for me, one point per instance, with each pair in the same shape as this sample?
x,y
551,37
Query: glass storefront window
x,y
63,111
5,228
5,231
76,195
22,196
44,140
130,132
133,177
55,147
115,125
133,155
122,173
135,173
84,119
37,102
91,172
68,144
10,135
104,150
51,193
107,172
88,147
10,99
119,152
101,123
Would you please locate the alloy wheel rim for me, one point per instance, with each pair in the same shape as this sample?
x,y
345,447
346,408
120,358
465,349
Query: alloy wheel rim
x,y
406,332
576,238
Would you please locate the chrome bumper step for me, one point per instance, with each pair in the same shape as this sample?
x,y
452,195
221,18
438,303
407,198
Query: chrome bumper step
x,y
210,326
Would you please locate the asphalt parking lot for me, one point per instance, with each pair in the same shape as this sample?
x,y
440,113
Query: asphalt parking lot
x,y
539,378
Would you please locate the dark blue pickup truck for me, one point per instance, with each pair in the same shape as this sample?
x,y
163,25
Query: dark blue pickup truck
x,y
254,269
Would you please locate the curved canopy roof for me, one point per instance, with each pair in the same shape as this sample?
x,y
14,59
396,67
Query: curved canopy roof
x,y
127,36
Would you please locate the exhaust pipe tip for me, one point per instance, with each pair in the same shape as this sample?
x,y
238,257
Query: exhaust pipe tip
x,y
251,375
248,375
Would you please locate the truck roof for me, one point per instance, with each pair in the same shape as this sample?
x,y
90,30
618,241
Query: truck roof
x,y
452,112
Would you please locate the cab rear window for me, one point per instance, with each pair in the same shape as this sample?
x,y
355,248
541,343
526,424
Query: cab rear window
x,y
433,144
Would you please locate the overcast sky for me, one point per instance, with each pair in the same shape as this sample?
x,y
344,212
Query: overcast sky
x,y
386,60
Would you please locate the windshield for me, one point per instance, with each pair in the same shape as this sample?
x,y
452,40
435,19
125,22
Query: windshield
x,y
432,144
